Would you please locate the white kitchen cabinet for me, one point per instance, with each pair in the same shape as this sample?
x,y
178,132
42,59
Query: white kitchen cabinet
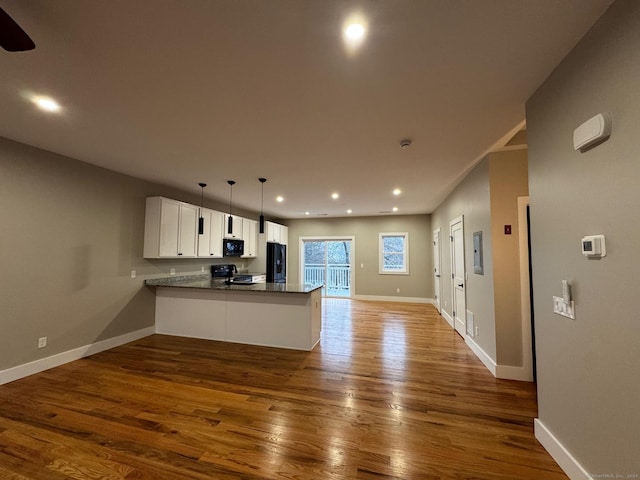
x,y
250,237
170,228
273,232
236,231
210,242
277,233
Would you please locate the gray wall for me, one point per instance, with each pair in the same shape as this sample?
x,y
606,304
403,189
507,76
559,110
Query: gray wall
x,y
488,199
589,368
419,282
71,234
471,198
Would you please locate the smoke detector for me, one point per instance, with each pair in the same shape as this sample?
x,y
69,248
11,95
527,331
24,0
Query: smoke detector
x,y
406,143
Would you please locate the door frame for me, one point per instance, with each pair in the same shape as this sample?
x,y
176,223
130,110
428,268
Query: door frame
x,y
437,253
525,292
328,238
462,315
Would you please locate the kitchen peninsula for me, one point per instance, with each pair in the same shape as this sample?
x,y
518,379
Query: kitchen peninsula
x,y
270,314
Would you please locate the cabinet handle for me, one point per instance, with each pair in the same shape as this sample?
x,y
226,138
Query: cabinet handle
x,y
179,254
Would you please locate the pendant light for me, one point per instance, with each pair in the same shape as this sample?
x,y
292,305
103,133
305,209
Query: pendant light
x,y
262,180
201,219
230,221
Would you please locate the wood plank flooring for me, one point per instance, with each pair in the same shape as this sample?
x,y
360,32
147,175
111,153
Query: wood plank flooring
x,y
392,392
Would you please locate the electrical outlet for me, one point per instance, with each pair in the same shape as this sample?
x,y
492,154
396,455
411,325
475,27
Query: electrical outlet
x,y
42,342
397,290
172,271
133,274
202,269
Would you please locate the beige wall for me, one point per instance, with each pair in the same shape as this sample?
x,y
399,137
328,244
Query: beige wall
x,y
71,235
508,180
419,282
589,368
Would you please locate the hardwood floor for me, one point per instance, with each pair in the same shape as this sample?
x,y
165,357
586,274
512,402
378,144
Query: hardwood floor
x,y
391,393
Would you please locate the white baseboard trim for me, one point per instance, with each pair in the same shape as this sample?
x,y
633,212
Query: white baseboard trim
x,y
509,372
560,454
37,366
482,355
447,317
378,298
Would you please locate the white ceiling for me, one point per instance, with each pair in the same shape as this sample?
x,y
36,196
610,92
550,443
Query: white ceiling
x,y
186,91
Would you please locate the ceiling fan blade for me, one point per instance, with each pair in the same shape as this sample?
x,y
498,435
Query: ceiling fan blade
x,y
12,37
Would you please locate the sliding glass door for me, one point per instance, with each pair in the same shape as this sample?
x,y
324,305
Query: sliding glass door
x,y
328,261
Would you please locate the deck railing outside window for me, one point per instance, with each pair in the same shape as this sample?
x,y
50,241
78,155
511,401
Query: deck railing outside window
x,y
338,281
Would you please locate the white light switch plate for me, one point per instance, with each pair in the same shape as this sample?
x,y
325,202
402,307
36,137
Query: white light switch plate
x,y
560,307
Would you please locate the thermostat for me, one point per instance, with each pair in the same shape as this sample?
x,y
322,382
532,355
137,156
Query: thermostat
x,y
593,246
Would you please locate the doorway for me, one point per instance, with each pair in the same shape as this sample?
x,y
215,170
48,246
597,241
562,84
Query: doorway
x,y
328,260
458,278
437,255
526,291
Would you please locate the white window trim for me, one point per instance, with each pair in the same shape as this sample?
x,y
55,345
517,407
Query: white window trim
x,y
381,270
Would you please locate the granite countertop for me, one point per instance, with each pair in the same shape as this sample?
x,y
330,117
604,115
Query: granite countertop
x,y
206,282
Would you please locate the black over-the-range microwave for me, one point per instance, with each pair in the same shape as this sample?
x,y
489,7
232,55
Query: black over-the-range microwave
x,y
232,248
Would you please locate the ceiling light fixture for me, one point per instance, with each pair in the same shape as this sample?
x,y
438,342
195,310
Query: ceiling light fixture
x,y
395,209
279,199
47,104
262,180
230,221
335,195
349,211
307,213
397,192
406,143
201,219
355,32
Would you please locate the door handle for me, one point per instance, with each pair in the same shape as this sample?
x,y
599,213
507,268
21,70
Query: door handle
x,y
461,285
437,276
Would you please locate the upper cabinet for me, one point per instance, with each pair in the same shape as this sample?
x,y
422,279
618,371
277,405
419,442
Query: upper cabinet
x,y
250,237
210,242
170,229
277,233
236,227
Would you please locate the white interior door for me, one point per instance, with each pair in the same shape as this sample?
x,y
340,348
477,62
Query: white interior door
x,y
458,275
436,268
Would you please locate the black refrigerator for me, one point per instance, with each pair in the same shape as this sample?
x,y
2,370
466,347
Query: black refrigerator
x,y
276,262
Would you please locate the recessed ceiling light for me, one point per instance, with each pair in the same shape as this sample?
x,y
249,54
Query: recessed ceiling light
x,y
354,32
47,104
349,211
395,209
397,192
307,213
406,143
335,195
279,199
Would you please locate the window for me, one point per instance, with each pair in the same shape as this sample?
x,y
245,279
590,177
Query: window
x,y
394,253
